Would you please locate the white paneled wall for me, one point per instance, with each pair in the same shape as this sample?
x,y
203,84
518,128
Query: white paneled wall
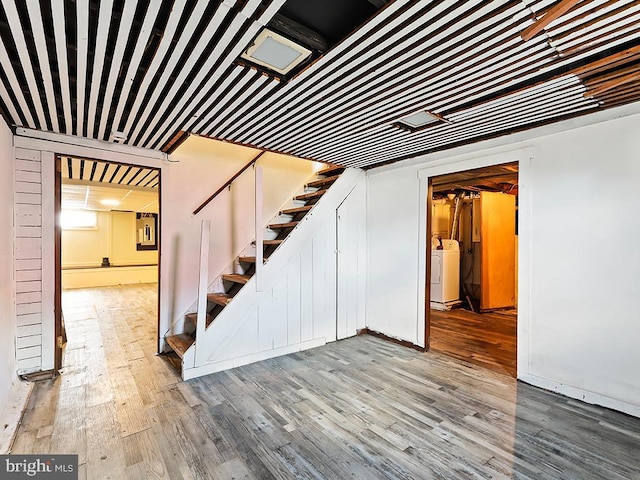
x,y
28,258
296,307
351,243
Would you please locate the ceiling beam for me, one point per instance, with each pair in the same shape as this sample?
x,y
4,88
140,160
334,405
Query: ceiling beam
x,y
552,14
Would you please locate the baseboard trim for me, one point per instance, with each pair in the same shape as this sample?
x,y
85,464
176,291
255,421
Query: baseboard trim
x,y
580,394
404,343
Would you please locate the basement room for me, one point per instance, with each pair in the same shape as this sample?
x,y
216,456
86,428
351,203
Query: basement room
x,y
281,239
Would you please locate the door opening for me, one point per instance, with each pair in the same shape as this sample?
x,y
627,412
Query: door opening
x,y
471,286
107,236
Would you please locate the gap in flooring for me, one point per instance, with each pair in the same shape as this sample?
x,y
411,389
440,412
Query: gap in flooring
x,y
360,408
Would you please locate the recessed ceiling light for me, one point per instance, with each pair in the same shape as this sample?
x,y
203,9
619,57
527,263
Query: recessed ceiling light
x,y
110,202
276,52
419,120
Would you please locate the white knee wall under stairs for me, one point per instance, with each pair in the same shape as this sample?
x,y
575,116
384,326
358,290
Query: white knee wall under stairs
x,y
296,307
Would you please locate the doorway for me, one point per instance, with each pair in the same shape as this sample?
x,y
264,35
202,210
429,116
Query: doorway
x,y
107,232
473,241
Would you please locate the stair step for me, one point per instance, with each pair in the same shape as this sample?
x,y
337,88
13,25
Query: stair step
x,y
180,343
247,259
236,278
332,170
293,211
193,318
272,242
323,182
282,226
221,299
311,196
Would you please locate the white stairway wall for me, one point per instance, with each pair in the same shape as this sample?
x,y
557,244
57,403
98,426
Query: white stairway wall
x,y
578,326
296,307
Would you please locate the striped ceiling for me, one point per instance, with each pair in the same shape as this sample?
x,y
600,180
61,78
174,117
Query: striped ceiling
x,y
109,174
152,69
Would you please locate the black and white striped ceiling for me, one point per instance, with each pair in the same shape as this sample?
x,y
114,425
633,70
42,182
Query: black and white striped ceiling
x,y
109,173
154,68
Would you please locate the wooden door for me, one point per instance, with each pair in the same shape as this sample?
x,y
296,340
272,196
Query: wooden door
x,y
498,244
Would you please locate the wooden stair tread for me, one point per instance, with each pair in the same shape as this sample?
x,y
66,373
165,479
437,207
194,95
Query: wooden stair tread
x,y
180,343
331,170
247,259
309,196
272,242
293,211
323,181
280,226
193,318
219,298
236,278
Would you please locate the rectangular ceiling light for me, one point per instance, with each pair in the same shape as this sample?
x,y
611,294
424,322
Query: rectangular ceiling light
x,y
275,52
419,120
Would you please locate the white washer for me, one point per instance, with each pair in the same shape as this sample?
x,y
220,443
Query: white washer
x,y
445,272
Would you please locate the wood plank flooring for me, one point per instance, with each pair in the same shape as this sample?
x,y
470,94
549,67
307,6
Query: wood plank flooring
x,y
360,408
485,339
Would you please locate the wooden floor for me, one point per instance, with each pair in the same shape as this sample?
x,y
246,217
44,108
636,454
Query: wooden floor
x,y
361,408
485,339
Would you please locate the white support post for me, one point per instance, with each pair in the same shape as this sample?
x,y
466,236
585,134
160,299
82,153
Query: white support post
x,y
203,286
259,228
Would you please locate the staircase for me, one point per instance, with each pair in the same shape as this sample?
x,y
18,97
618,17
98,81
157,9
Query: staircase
x,y
288,220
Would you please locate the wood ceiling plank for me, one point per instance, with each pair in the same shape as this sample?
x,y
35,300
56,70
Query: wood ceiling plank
x,y
57,11
160,54
124,31
14,84
595,80
23,53
552,14
37,26
613,83
99,54
172,67
82,15
134,64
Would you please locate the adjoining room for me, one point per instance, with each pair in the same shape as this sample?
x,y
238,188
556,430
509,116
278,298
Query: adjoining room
x,y
474,266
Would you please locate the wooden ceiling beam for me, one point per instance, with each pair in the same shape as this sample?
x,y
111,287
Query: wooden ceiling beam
x,y
552,14
611,84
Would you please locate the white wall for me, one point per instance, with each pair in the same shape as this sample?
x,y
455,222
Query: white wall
x,y
114,237
197,173
13,392
7,292
578,326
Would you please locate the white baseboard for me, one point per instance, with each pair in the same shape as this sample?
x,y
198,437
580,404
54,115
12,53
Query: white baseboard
x,y
207,369
581,394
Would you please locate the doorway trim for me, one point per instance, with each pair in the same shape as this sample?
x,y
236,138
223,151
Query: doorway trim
x,y
523,156
58,182
44,144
